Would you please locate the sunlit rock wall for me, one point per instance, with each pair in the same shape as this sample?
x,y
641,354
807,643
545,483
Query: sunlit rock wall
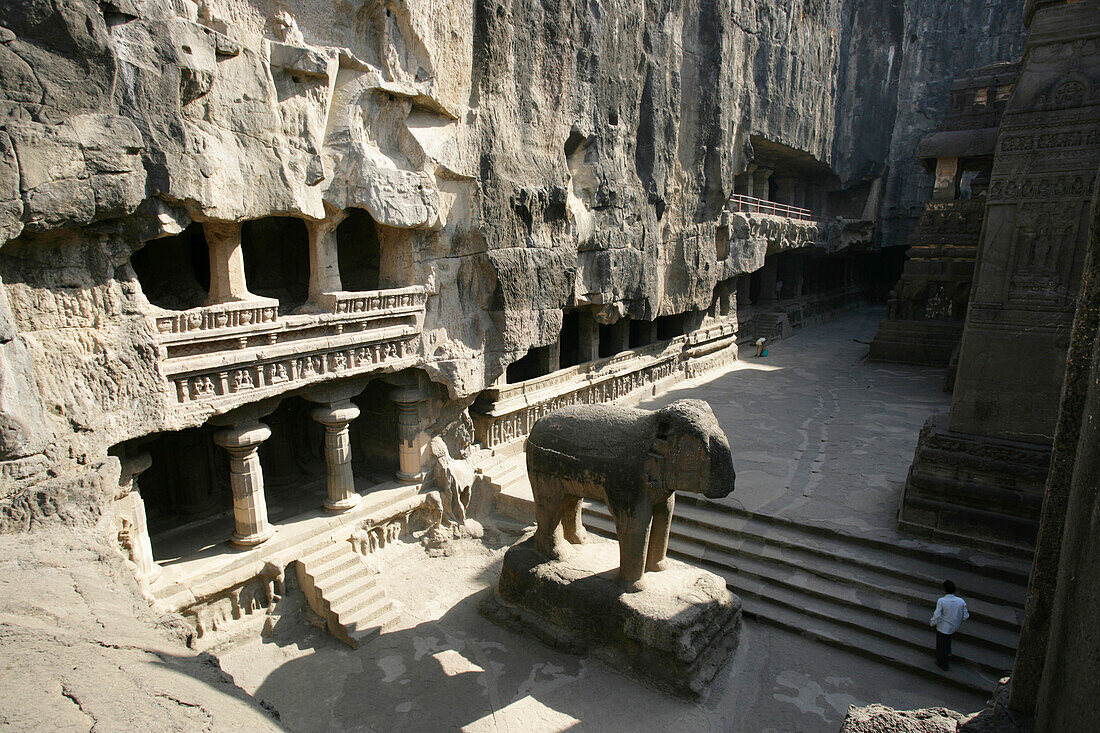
x,y
519,157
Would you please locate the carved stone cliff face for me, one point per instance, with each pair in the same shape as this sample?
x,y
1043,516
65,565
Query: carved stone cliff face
x,y
517,158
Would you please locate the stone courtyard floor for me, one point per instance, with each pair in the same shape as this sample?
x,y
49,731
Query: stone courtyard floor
x,y
817,434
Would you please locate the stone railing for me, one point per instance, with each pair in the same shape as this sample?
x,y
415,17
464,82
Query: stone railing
x,y
245,314
374,301
505,414
221,356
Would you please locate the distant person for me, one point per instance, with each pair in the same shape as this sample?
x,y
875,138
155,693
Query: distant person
x,y
950,613
760,348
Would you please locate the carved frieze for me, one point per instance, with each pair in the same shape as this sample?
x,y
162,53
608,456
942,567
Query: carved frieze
x,y
217,383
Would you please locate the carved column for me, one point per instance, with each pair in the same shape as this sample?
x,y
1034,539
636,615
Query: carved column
x,y
412,451
246,479
549,358
743,300
768,281
620,335
744,182
786,188
589,334
947,180
336,416
227,280
324,260
130,512
760,182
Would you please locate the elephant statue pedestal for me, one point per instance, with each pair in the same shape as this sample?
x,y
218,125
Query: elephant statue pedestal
x,y
676,633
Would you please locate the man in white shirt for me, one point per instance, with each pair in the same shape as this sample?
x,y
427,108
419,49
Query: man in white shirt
x,y
950,613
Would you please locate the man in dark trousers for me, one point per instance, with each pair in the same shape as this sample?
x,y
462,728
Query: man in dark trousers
x,y
950,613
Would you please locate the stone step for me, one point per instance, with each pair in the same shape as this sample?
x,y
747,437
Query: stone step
x,y
347,606
335,566
345,593
832,576
339,577
1011,575
362,635
366,615
359,584
829,601
508,472
323,554
1001,601
886,651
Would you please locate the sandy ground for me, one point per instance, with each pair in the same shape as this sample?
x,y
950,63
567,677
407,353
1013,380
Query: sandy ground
x,y
445,667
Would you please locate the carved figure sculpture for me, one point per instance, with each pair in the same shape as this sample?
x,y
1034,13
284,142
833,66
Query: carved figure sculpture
x,y
454,478
635,460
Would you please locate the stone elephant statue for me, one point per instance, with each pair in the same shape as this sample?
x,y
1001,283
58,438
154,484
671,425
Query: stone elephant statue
x,y
635,461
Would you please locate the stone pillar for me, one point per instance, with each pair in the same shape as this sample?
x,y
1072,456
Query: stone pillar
x,y
227,281
336,416
768,278
324,261
620,335
246,479
785,190
760,182
799,277
549,358
412,450
743,300
947,180
743,184
589,334
130,512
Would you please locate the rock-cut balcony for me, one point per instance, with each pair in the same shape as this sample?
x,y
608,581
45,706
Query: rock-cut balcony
x,y
229,354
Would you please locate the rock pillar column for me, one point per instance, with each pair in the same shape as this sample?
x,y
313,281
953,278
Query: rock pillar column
x,y
620,335
743,182
130,511
760,182
743,300
589,334
336,416
947,180
246,479
786,190
412,451
768,278
549,358
324,260
227,280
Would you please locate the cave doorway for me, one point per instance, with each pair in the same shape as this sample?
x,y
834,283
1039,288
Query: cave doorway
x,y
359,252
174,272
276,260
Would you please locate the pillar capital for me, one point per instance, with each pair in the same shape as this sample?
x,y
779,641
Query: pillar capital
x,y
335,415
242,436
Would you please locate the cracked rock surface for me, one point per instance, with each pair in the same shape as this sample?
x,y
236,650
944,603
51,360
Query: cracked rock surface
x,y
82,650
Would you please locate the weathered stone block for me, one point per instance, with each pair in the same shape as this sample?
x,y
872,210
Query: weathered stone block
x,y
676,634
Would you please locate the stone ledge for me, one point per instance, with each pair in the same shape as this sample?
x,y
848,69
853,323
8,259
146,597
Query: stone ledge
x,y
675,635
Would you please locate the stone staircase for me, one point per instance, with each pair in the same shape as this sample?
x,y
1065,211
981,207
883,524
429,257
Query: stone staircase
x,y
861,594
343,591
